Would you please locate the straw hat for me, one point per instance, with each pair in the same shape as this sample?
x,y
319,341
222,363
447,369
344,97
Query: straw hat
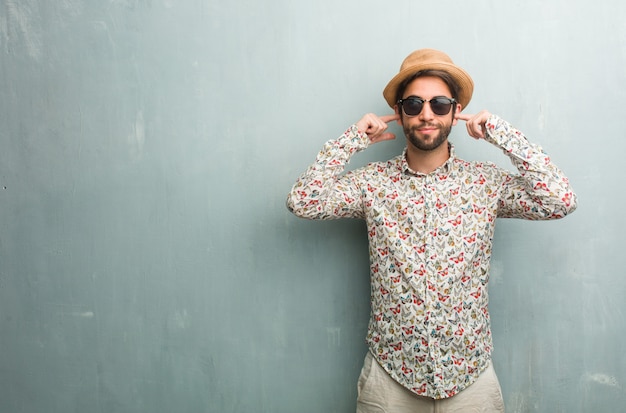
x,y
424,59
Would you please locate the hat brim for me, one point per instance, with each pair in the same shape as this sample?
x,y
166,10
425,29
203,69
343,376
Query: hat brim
x,y
462,78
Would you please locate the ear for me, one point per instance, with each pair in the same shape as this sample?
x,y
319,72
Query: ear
x,y
459,108
396,109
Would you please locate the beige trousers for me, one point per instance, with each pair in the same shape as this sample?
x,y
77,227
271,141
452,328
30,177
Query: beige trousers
x,y
379,393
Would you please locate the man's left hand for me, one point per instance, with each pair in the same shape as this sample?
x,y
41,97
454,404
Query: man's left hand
x,y
475,123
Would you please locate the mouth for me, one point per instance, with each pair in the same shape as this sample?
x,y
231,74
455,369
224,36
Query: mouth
x,y
427,129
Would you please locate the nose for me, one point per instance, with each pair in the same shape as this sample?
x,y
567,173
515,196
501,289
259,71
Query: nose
x,y
426,113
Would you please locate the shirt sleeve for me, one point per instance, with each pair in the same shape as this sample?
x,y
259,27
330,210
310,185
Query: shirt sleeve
x,y
540,191
323,191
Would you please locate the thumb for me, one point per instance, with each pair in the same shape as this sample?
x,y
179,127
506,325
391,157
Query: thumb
x,y
386,136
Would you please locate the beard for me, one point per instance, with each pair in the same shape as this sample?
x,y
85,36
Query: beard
x,y
412,134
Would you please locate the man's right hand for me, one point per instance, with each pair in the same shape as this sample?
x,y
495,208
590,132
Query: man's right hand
x,y
375,126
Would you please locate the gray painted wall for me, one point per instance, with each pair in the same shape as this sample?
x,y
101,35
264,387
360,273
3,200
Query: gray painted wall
x,y
147,261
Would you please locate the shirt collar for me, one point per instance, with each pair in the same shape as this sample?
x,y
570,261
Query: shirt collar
x,y
443,169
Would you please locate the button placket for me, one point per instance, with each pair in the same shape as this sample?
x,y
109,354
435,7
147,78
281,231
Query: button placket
x,y
431,257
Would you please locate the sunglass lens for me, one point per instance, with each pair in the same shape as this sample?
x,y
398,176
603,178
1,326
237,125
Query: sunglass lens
x,y
440,106
412,107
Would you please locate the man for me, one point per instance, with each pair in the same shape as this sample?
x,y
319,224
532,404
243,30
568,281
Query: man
x,y
430,220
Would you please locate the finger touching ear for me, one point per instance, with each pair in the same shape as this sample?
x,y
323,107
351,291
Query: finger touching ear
x,y
463,116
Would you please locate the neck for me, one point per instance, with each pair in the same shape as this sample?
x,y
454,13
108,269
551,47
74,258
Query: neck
x,y
427,161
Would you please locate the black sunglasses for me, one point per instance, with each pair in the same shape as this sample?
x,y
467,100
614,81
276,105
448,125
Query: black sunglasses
x,y
412,106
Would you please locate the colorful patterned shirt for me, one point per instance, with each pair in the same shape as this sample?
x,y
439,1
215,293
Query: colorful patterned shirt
x,y
430,240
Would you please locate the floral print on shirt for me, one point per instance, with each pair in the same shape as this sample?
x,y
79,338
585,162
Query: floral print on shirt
x,y
430,240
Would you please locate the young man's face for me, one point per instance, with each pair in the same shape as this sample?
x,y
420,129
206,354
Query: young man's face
x,y
427,131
